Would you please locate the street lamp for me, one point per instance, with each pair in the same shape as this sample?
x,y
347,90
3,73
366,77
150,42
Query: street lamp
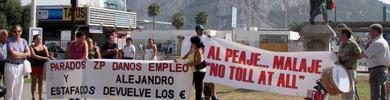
x,y
33,13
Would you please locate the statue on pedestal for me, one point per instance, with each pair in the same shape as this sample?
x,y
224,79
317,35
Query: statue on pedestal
x,y
320,6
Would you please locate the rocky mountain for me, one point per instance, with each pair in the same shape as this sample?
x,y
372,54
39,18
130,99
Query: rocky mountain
x,y
264,14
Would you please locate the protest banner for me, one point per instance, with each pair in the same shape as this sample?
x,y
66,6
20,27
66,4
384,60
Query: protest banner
x,y
117,79
241,66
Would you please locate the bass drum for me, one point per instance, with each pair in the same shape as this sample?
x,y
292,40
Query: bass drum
x,y
336,80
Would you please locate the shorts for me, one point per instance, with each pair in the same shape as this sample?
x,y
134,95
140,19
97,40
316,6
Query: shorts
x,y
36,70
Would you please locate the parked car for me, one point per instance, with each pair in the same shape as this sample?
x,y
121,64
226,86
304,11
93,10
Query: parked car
x,y
56,51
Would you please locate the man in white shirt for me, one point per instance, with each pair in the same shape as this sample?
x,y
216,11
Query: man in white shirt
x,y
378,57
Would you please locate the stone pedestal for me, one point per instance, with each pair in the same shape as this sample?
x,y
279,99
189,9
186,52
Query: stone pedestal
x,y
317,37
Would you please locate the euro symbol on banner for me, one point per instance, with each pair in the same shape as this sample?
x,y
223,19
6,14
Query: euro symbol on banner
x,y
183,94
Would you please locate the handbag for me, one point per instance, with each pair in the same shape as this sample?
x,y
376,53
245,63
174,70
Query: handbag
x,y
27,67
201,65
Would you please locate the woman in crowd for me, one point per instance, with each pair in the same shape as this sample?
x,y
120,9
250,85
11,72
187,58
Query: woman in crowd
x,y
129,49
93,51
78,49
197,65
150,50
39,55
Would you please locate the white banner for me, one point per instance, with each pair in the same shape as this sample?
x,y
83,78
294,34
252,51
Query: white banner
x,y
241,66
117,79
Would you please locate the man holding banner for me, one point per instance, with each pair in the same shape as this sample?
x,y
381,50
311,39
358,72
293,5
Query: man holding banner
x,y
110,49
348,54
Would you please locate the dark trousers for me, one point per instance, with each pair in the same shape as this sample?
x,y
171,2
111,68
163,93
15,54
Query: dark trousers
x,y
198,81
377,82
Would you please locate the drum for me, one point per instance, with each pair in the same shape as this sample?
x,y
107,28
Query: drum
x,y
336,80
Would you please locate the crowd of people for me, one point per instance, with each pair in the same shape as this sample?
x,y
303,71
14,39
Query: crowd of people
x,y
86,48
109,50
15,52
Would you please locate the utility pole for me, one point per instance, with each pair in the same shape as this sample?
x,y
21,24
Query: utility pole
x,y
384,14
33,13
125,5
33,21
248,13
285,2
73,26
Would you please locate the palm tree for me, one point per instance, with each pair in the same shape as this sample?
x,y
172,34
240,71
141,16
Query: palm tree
x,y
178,20
201,18
153,11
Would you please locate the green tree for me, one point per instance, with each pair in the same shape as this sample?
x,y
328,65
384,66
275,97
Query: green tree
x,y
3,21
3,18
296,26
201,18
25,22
178,20
153,11
12,13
